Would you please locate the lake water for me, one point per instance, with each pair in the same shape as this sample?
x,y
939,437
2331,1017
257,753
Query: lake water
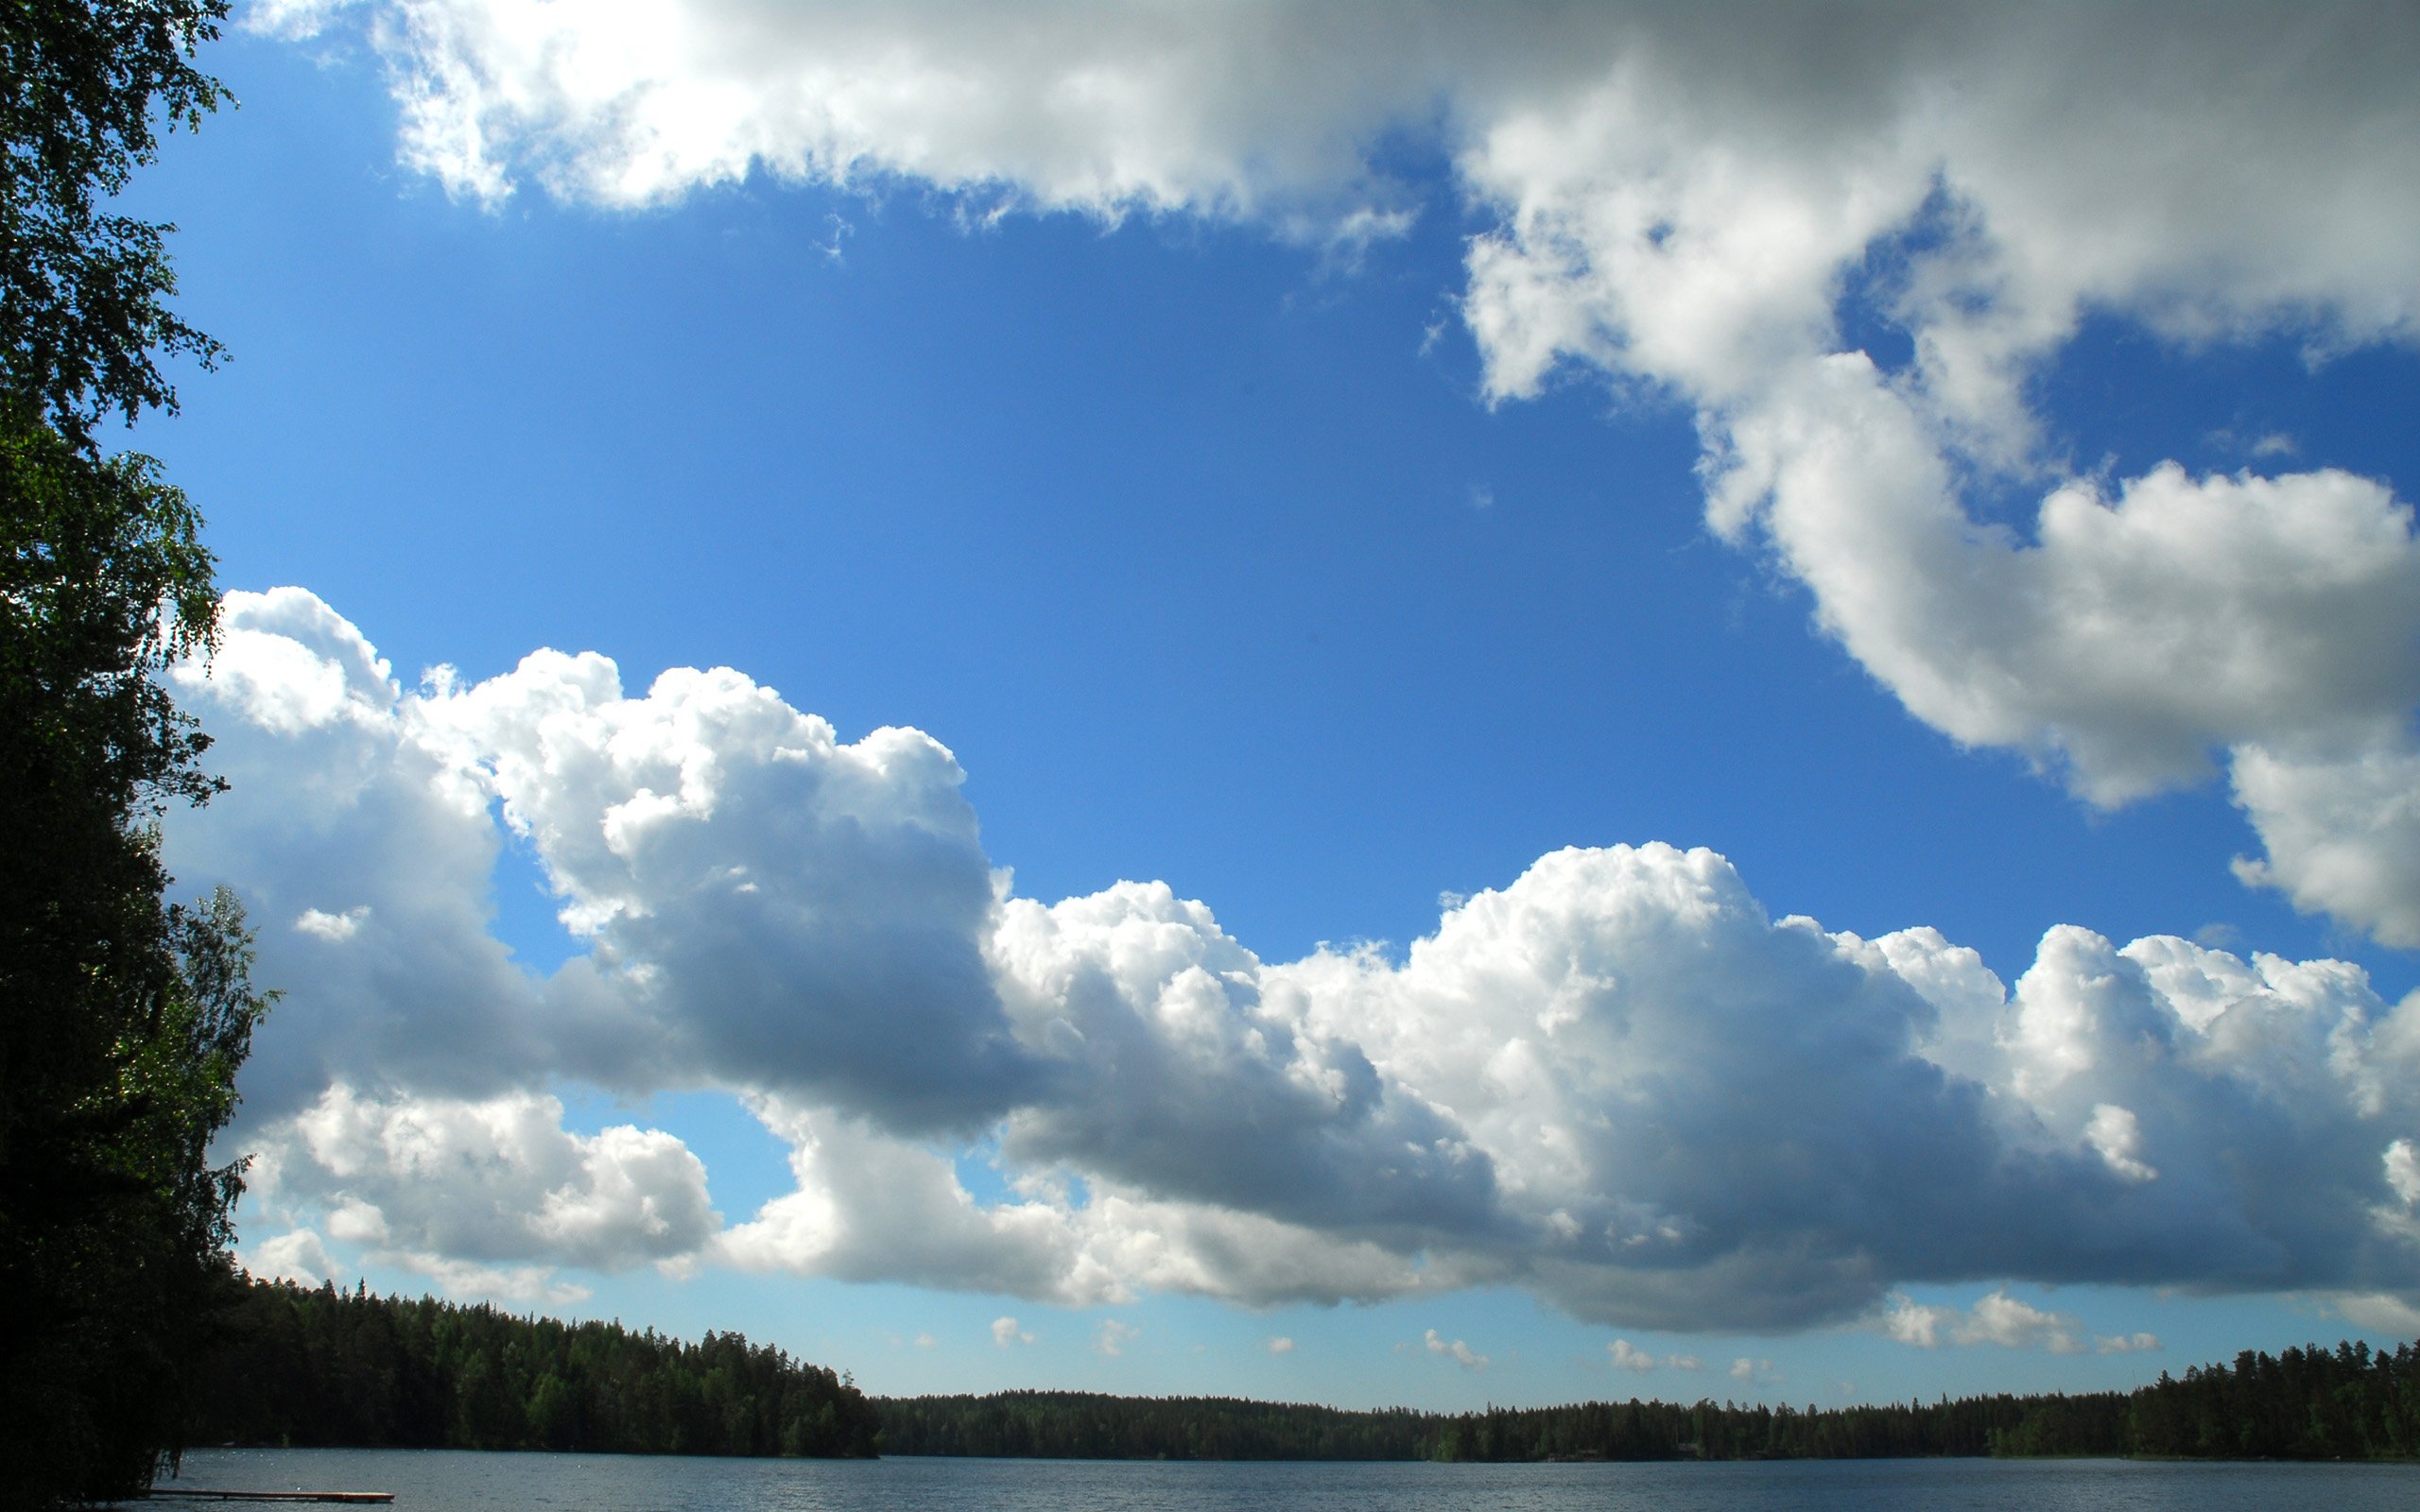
x,y
445,1481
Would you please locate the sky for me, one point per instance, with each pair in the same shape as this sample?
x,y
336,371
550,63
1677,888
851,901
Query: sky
x,y
1375,703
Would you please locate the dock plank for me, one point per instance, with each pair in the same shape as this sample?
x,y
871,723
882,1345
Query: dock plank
x,y
187,1494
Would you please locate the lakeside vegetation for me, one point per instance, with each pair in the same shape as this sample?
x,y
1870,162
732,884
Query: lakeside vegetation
x,y
330,1369
2308,1403
124,1015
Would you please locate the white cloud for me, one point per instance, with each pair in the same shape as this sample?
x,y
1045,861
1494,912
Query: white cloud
x,y
1456,1350
768,906
2119,1137
1912,1322
1280,1344
1996,1318
2010,1323
1115,1336
1680,199
331,927
522,1285
871,1208
2342,827
1196,1082
449,1188
1753,1371
2126,1344
2380,1312
380,850
1006,1331
2402,1162
296,1255
1614,1080
1624,1355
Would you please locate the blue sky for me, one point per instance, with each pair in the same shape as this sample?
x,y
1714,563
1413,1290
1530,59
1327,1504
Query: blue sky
x,y
1328,469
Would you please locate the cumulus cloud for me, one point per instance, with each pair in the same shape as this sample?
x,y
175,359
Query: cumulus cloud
x,y
1456,1350
1615,1080
2004,1320
1006,1331
1624,1355
296,1255
2000,1319
2343,831
486,1181
1681,201
334,928
2384,1312
1912,1322
870,1208
1280,1344
1115,1336
1695,230
769,905
377,850
1199,1084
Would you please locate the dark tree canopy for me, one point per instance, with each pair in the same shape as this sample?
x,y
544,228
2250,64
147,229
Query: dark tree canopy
x,y
328,1367
2308,1403
122,1016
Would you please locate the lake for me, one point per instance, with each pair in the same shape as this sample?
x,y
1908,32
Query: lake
x,y
451,1481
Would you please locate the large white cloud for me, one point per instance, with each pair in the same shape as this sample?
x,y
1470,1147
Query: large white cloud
x,y
1681,198
365,860
767,906
1184,1075
1694,222
436,1183
1614,1080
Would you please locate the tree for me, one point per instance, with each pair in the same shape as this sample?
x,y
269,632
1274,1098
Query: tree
x,y
83,320
122,1016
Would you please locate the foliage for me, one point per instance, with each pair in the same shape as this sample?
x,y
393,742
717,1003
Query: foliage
x,y
328,1367
1084,1426
122,1018
2305,1404
82,317
1087,1425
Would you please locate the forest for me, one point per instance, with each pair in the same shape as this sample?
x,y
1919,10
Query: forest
x,y
1082,1426
327,1367
2306,1403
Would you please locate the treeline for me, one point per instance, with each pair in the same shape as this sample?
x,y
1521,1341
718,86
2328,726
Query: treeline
x,y
1080,1425
325,1367
1087,1425
1969,1426
2306,1403
312,1368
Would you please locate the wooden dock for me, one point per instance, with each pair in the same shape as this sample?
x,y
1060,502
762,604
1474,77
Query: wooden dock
x,y
357,1498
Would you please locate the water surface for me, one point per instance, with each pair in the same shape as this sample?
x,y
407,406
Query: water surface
x,y
452,1481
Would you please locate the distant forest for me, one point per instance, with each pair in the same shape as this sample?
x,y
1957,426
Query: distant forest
x,y
325,1367
2306,1403
328,1367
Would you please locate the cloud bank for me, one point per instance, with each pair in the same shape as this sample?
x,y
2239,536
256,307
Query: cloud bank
x,y
1685,203
1616,1080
